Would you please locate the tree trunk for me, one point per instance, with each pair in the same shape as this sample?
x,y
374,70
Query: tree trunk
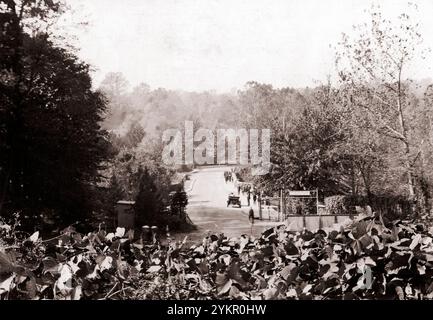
x,y
405,138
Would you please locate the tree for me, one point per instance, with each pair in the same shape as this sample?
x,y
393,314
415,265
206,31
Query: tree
x,y
148,202
51,144
303,156
114,84
178,203
372,69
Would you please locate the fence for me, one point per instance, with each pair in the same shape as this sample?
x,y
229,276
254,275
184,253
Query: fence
x,y
314,222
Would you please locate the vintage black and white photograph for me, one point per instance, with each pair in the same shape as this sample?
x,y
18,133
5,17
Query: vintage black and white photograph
x,y
225,150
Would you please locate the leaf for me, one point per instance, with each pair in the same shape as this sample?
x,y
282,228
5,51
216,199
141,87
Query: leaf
x,y
50,265
291,293
34,237
107,263
234,292
120,232
5,286
285,273
110,236
369,262
65,279
5,227
416,239
430,288
6,267
408,290
243,242
220,280
291,249
400,293
202,267
153,269
31,287
205,286
270,293
225,288
226,259
421,269
199,250
77,293
307,288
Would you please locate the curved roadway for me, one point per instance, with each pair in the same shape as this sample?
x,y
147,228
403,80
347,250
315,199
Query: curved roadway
x,y
207,206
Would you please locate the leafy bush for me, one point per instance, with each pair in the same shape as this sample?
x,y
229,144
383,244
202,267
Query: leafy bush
x,y
340,205
296,206
391,207
278,265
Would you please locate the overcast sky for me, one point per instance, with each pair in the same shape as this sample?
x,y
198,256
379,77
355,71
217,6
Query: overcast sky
x,y
219,45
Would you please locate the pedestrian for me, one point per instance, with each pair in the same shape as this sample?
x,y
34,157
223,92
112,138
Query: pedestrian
x,y
251,215
248,198
254,198
239,189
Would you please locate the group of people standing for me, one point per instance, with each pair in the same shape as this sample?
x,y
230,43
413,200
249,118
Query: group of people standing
x,y
249,191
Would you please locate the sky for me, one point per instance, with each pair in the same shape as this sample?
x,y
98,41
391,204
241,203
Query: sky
x,y
219,45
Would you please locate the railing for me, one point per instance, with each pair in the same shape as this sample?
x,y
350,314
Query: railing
x,y
313,221
308,221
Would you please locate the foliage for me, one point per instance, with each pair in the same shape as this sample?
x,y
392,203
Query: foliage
x,y
51,143
148,203
296,206
304,155
372,67
368,135
178,202
389,207
331,264
339,205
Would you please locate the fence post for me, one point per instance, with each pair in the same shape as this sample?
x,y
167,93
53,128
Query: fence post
x,y
260,205
283,204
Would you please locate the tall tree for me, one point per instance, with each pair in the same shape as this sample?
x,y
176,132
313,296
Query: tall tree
x,y
51,144
148,203
373,68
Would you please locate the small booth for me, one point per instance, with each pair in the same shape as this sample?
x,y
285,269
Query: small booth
x,y
125,214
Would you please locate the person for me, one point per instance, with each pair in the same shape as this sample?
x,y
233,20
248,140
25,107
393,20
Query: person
x,y
239,189
248,198
254,198
251,215
228,200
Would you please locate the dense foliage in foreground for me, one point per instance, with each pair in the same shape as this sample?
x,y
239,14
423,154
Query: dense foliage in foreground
x,y
333,264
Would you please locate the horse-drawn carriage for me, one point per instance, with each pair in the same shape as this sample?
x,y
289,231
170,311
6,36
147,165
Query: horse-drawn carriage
x,y
233,200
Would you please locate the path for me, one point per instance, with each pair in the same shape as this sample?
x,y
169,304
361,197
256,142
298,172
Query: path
x,y
207,208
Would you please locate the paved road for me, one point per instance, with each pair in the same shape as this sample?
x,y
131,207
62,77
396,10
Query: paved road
x,y
207,208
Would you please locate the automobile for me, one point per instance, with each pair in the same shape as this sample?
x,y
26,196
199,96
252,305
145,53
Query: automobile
x,y
234,201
